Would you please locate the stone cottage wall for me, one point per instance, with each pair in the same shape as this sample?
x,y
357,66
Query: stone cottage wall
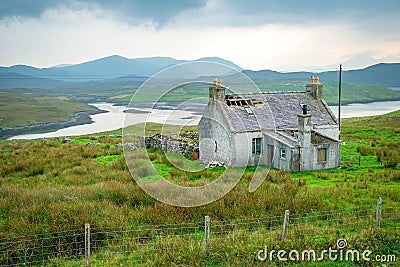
x,y
185,144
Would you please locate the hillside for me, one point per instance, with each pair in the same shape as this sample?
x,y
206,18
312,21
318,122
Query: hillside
x,y
13,80
383,74
21,110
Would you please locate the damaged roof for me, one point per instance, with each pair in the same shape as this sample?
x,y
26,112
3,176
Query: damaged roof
x,y
272,111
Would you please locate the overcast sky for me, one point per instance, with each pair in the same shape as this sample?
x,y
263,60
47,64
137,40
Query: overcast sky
x,y
275,34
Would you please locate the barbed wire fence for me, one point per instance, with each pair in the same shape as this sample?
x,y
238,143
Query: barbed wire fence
x,y
147,243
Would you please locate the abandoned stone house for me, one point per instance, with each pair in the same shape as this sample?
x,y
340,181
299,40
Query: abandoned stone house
x,y
291,131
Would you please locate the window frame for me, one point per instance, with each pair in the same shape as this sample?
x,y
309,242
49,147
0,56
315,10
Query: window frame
x,y
282,153
254,146
325,154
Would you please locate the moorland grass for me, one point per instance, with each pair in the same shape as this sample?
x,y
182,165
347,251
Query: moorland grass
x,y
21,110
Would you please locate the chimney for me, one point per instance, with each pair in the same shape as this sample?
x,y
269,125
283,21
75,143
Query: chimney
x,y
217,91
314,87
304,108
304,133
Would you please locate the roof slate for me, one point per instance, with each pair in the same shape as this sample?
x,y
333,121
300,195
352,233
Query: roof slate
x,y
277,111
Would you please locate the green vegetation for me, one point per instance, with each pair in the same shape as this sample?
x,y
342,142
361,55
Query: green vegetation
x,y
48,186
350,92
21,110
107,159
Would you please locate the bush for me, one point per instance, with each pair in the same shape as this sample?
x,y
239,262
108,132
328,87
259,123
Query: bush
x,y
366,151
391,162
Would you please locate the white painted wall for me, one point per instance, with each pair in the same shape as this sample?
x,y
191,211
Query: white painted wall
x,y
331,131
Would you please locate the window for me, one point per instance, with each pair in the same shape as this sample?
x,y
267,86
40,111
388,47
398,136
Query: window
x,y
256,148
282,153
249,111
322,154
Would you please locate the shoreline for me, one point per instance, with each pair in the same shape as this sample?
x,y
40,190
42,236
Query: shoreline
x,y
345,103
79,118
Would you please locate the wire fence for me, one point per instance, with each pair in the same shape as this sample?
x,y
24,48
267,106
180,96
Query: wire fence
x,y
145,243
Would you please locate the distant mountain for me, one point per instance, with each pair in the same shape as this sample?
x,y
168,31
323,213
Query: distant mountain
x,y
220,61
106,68
275,75
48,73
16,80
117,66
117,70
383,74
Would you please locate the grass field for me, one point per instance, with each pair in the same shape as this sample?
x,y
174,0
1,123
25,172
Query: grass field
x,y
49,186
21,110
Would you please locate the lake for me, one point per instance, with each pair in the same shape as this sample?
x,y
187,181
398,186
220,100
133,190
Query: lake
x,y
114,117
367,109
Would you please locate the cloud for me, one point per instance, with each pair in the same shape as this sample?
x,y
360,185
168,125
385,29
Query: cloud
x,y
297,11
25,8
376,17
284,35
158,11
131,11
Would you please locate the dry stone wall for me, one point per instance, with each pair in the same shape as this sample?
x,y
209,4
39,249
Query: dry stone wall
x,y
185,144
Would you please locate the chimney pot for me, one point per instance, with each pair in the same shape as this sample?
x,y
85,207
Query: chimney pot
x,y
217,91
314,87
304,109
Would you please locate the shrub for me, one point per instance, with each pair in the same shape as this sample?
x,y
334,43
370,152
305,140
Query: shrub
x,y
365,151
145,170
391,162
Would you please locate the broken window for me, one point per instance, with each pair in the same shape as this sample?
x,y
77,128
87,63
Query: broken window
x,y
322,154
236,100
282,153
256,146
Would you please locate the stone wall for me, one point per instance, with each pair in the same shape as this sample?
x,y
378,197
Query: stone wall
x,y
185,144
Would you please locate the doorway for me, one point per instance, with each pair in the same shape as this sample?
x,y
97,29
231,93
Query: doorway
x,y
270,155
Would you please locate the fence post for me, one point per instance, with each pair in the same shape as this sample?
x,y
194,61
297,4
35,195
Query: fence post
x,y
87,244
206,232
285,225
378,212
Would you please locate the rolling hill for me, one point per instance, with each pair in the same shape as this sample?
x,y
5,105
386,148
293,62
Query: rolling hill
x,y
106,68
111,77
383,74
112,67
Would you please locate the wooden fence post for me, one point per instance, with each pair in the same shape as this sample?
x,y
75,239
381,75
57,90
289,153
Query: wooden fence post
x,y
87,244
378,212
206,232
285,225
